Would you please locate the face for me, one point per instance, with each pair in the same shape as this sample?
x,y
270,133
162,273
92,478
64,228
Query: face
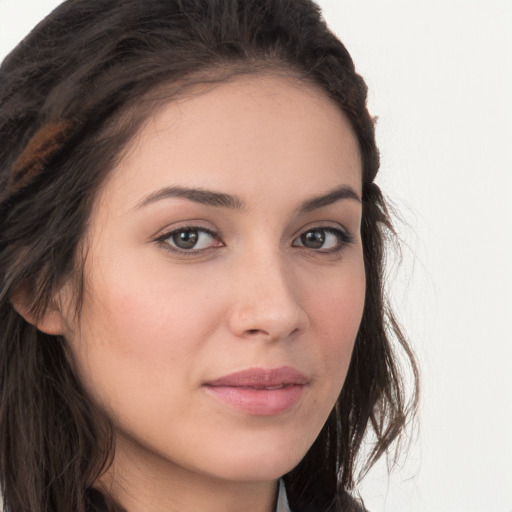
x,y
225,280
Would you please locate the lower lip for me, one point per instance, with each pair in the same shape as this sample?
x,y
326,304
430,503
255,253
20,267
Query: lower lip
x,y
259,402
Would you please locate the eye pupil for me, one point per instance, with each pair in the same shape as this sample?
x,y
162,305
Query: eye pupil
x,y
186,239
313,239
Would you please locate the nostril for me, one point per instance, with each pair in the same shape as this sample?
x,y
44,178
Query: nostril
x,y
253,331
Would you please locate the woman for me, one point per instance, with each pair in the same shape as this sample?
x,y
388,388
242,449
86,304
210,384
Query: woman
x,y
191,251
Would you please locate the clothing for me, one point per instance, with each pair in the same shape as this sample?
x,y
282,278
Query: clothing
x,y
96,502
282,499
348,503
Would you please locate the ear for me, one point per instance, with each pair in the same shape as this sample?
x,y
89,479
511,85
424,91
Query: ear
x,y
51,321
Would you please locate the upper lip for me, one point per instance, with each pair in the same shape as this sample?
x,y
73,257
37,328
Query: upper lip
x,y
261,378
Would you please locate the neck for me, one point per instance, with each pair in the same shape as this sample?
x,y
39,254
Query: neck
x,y
151,483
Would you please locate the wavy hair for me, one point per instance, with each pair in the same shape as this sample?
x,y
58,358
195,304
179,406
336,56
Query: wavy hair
x,y
72,95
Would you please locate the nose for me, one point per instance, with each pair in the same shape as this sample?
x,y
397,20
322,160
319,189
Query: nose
x,y
266,305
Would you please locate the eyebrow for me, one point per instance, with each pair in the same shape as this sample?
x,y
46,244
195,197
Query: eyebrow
x,y
198,195
233,202
332,196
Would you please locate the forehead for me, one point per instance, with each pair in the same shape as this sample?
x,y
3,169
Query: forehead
x,y
250,135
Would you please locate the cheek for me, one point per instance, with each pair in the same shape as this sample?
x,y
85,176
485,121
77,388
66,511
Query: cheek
x,y
335,312
138,331
142,308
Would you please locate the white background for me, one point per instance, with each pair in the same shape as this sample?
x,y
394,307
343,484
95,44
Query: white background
x,y
440,78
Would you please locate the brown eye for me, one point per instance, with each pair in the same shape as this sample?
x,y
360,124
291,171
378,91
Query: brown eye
x,y
323,239
313,239
185,239
190,239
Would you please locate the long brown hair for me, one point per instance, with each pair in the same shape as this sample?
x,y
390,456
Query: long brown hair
x,y
72,95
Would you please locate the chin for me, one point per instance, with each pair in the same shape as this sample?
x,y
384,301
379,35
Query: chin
x,y
255,471
259,462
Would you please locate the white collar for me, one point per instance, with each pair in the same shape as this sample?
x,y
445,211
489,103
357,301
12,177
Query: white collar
x,y
282,500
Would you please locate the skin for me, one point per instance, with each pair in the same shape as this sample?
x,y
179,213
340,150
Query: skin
x,y
158,323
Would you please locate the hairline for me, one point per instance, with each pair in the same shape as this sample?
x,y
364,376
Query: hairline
x,y
139,111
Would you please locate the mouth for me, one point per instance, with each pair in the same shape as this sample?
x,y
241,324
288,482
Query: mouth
x,y
259,391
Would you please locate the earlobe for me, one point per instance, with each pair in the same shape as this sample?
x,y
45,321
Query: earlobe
x,y
50,321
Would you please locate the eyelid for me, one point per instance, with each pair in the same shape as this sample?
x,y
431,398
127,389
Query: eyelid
x,y
326,225
184,224
162,239
345,237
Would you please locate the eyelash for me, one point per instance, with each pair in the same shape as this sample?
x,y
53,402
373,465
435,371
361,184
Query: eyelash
x,y
164,240
344,239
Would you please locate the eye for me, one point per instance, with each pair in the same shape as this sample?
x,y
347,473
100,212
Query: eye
x,y
190,239
323,239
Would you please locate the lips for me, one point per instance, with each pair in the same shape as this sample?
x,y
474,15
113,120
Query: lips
x,y
259,391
